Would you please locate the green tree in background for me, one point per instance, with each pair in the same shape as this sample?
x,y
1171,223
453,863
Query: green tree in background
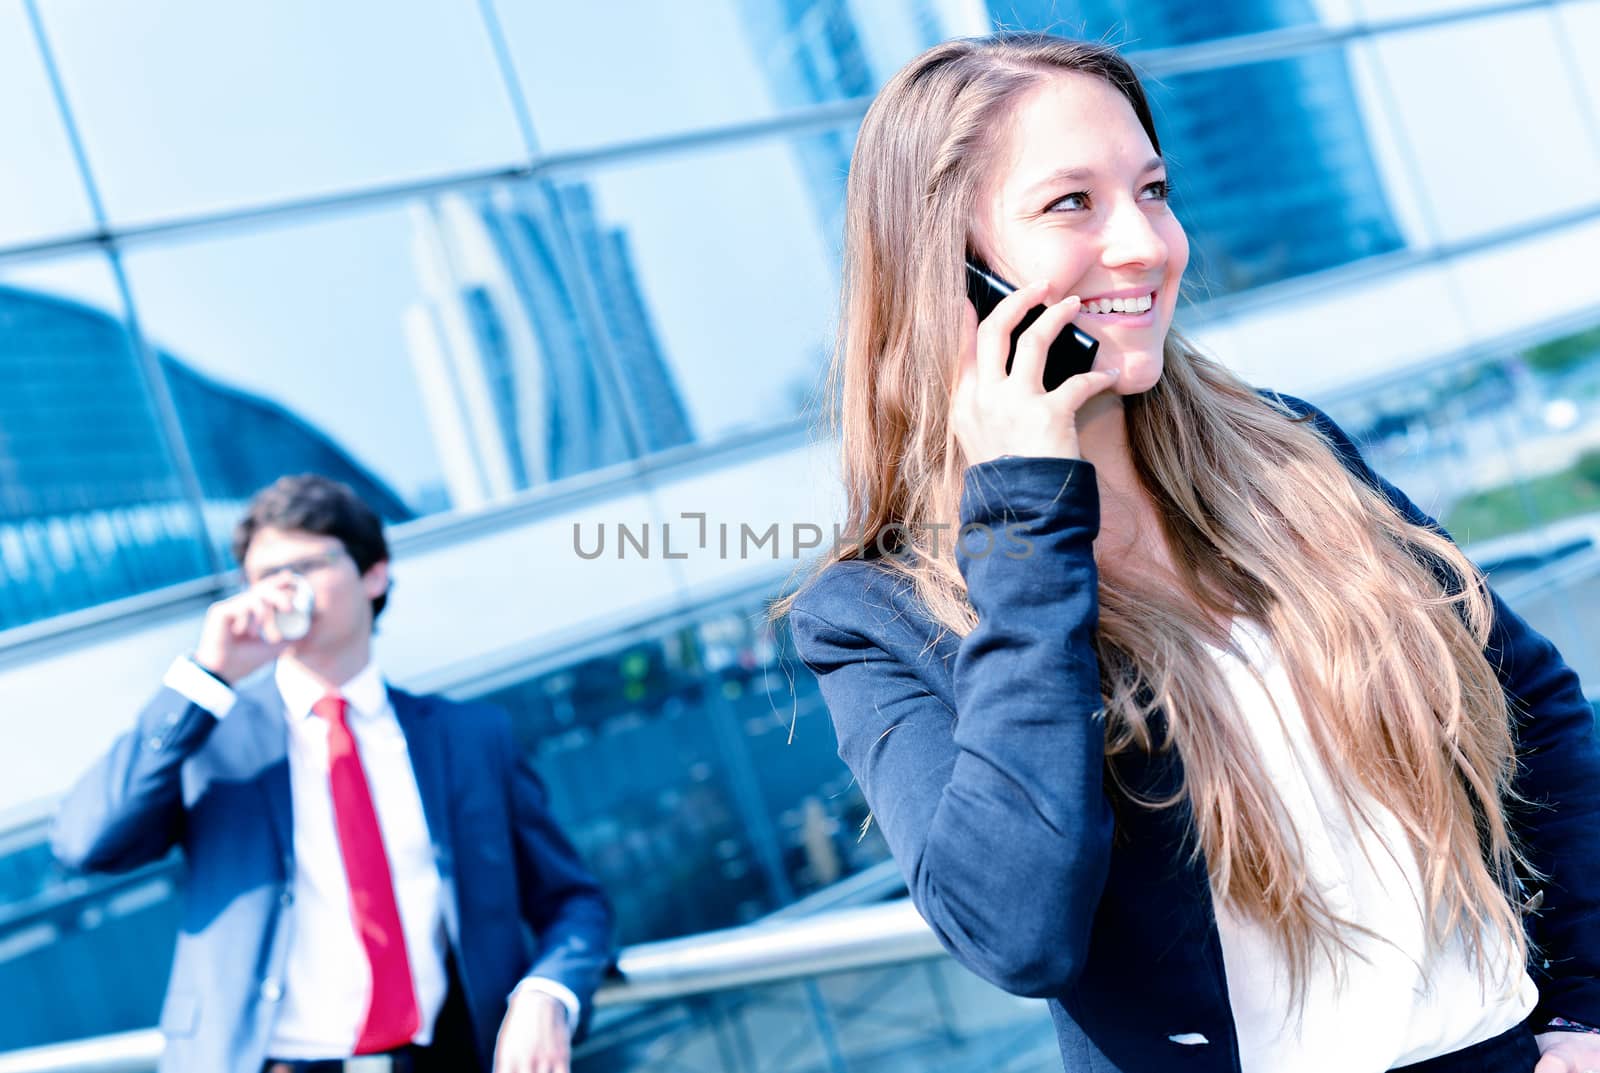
x,y
1561,355
1588,467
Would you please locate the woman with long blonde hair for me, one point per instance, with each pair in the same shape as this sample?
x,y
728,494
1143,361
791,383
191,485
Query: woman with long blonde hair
x,y
1172,711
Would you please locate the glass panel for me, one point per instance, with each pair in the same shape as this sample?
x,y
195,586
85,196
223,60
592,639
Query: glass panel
x,y
810,801
1272,170
1578,25
40,192
1146,24
812,804
1506,453
638,779
26,868
204,106
431,355
665,69
91,508
1266,14
1400,9
1338,12
732,258
1328,339
1521,287
103,942
1491,153
668,762
930,1015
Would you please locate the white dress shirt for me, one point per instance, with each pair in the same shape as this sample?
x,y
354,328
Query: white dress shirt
x,y
327,978
1391,1003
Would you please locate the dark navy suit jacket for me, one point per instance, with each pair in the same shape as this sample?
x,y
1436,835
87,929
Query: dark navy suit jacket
x,y
1036,877
517,900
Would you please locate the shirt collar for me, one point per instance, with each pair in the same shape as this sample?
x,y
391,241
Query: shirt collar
x,y
366,693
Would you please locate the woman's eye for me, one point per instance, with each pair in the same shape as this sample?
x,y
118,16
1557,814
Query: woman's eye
x,y
1160,190
1069,203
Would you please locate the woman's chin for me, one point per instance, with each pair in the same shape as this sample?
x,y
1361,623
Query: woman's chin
x,y
1140,372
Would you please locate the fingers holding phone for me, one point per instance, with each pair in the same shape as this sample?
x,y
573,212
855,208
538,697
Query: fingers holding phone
x,y
1027,374
1069,349
1031,349
998,325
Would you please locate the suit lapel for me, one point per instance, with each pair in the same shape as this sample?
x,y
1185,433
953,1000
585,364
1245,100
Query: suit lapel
x,y
260,734
425,742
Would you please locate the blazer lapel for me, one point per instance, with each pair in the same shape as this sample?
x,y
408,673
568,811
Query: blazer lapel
x,y
259,734
425,742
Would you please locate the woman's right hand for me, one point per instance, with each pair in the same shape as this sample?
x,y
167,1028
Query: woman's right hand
x,y
993,413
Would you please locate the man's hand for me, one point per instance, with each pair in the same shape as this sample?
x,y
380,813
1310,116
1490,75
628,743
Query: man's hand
x,y
239,634
1568,1052
534,1037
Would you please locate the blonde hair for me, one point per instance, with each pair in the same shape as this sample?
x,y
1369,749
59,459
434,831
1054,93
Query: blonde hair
x,y
1381,624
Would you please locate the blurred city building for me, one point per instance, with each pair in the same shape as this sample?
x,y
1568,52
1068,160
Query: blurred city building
x,y
513,383
526,285
89,509
1293,188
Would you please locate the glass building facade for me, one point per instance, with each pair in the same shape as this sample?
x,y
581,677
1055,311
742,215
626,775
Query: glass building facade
x,y
480,261
1295,190
567,261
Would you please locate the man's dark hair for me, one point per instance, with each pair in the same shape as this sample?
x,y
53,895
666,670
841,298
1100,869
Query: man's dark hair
x,y
311,503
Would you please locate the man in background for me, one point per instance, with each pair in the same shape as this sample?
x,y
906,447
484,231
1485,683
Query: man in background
x,y
362,862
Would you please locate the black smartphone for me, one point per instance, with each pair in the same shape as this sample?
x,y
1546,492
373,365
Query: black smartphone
x,y
1071,353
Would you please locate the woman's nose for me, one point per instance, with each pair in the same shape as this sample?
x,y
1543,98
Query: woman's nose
x,y
1129,238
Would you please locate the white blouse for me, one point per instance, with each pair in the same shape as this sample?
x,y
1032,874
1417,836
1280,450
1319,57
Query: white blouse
x,y
1394,1004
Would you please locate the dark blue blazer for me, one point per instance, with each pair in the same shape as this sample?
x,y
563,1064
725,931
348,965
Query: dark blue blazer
x,y
1029,870
517,900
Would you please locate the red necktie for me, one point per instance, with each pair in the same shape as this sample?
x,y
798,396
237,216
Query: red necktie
x,y
392,1017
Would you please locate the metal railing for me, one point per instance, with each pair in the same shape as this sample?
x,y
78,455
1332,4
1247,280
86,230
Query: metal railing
x,y
839,940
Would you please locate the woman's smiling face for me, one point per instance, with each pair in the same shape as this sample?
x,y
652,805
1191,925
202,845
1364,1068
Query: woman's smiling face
x,y
1077,196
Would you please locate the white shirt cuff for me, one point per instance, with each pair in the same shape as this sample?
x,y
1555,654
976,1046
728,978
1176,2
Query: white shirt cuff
x,y
555,990
199,686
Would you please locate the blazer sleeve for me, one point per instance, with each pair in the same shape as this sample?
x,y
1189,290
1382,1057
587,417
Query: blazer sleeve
x,y
561,901
1558,777
995,811
127,810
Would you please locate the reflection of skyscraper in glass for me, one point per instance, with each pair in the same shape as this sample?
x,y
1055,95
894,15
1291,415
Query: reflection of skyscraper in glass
x,y
1271,163
515,379
241,443
810,52
1273,171
91,508
815,51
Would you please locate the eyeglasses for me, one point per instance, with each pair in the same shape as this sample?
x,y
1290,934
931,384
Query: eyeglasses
x,y
302,566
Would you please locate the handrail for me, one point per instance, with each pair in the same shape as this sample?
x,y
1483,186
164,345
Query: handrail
x,y
121,1052
83,890
838,941
841,940
873,885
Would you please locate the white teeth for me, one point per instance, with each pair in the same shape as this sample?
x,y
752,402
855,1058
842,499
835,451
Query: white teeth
x,y
1131,306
